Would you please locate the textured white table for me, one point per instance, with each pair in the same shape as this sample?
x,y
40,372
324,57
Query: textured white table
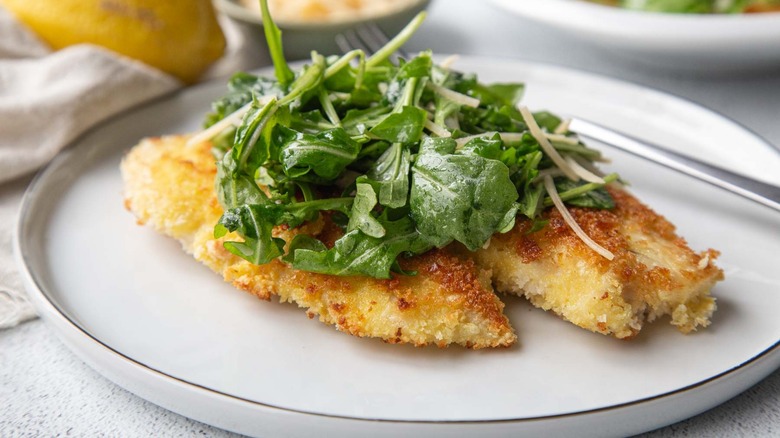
x,y
46,391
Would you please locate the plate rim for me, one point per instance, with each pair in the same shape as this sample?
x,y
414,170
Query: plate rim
x,y
698,21
51,311
716,41
235,10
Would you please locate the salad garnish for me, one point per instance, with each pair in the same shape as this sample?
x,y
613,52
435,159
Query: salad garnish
x,y
404,156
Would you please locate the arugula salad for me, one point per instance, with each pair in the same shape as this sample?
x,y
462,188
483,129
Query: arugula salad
x,y
404,155
696,6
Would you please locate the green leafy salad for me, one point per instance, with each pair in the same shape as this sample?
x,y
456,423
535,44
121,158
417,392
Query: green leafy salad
x,y
696,6
404,155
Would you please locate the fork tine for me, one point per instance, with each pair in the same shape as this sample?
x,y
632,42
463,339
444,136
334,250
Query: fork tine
x,y
368,37
382,38
349,40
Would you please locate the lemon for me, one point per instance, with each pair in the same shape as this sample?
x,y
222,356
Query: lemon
x,y
180,37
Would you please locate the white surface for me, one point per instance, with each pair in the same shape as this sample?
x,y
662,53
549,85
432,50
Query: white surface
x,y
687,42
50,392
47,99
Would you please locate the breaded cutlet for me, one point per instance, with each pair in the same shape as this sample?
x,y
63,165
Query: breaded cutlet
x,y
654,272
170,187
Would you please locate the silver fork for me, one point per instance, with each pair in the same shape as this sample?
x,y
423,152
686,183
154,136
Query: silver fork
x,y
753,189
370,38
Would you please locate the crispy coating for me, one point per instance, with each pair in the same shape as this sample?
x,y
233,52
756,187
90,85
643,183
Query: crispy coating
x,y
654,272
171,187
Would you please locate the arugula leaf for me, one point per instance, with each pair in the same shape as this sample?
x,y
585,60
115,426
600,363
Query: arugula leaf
x,y
502,119
486,147
459,197
311,77
357,253
530,192
326,154
582,194
255,222
310,122
596,198
235,189
547,120
242,87
499,94
274,38
405,126
235,181
445,110
390,176
418,67
361,218
359,121
250,147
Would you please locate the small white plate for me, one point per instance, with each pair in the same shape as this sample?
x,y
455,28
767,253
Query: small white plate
x,y
148,317
702,43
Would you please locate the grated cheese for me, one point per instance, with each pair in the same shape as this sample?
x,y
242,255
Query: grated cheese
x,y
511,136
584,173
228,121
448,61
454,96
562,139
550,187
436,129
547,147
563,127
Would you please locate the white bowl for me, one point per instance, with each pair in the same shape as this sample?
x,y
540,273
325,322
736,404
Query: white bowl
x,y
300,38
697,43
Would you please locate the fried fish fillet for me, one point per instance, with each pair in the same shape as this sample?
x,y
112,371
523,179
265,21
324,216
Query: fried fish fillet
x,y
654,272
170,186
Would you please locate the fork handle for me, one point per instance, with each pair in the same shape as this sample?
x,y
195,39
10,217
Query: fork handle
x,y
758,191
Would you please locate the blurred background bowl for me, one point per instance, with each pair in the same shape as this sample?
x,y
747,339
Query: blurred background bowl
x,y
700,43
300,36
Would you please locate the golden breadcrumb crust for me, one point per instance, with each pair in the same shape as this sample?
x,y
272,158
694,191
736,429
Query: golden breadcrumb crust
x,y
171,187
654,272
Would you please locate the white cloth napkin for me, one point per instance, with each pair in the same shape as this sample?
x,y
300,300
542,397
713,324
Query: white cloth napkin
x,y
47,99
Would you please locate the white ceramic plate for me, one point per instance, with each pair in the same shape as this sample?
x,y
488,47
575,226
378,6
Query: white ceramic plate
x,y
696,43
144,314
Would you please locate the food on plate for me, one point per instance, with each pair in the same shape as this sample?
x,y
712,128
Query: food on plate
x,y
653,274
696,6
387,198
170,186
319,11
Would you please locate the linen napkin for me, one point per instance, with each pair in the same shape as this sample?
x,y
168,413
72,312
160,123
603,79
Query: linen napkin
x,y
47,99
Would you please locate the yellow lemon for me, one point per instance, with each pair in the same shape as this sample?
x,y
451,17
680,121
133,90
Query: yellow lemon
x,y
181,37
